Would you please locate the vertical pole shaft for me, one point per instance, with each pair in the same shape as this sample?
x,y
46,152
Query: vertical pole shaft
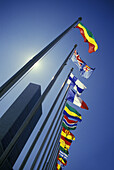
x,y
33,111
8,84
54,152
38,153
44,123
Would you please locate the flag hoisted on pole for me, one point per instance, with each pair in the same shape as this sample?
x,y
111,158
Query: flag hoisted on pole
x,y
8,84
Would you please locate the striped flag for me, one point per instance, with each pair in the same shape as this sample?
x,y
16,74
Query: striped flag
x,y
62,154
67,134
64,150
69,124
76,83
72,97
65,142
72,113
88,37
62,160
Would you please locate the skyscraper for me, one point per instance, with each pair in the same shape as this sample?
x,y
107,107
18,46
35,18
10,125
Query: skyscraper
x,y
12,120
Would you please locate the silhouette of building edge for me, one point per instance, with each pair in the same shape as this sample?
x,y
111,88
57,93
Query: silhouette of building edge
x,y
12,120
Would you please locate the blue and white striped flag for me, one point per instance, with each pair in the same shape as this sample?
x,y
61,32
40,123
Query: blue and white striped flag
x,y
76,84
63,155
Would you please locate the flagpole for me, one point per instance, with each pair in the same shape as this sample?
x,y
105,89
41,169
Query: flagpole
x,y
8,84
44,123
33,111
38,153
54,150
53,153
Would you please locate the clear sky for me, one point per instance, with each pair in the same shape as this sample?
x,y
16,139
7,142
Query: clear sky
x,y
26,27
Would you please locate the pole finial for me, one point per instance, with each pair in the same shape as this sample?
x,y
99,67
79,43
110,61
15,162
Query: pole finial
x,y
80,18
72,69
75,45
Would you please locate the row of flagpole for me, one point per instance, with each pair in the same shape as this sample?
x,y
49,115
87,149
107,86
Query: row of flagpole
x,y
48,115
33,111
8,84
48,163
77,84
47,134
84,69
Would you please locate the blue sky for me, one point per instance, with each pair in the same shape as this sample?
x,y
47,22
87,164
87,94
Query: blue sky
x,y
26,27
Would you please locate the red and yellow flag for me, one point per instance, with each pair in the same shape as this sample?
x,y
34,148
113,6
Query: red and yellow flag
x,y
65,143
67,134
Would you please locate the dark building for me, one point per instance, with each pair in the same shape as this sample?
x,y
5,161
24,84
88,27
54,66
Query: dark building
x,y
12,120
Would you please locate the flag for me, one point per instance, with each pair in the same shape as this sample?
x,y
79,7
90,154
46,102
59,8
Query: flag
x,y
58,167
62,154
62,160
85,70
88,37
76,83
69,124
77,60
63,146
67,134
72,113
64,150
72,97
65,142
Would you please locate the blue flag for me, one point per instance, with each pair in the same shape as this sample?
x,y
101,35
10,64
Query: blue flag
x,y
85,70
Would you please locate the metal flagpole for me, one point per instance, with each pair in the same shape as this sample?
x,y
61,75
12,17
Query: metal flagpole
x,y
44,123
8,84
34,110
38,153
53,153
54,150
47,164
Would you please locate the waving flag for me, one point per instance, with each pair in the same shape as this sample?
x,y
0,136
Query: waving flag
x,y
76,83
65,142
62,160
67,134
64,150
62,154
58,166
88,37
71,113
85,70
77,60
72,97
69,124
63,146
